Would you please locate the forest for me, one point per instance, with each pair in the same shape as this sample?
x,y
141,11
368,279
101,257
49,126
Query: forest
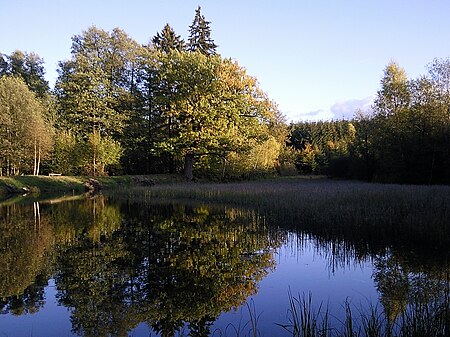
x,y
405,138
173,106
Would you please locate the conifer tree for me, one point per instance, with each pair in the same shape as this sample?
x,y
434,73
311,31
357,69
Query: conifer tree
x,y
3,64
167,40
200,35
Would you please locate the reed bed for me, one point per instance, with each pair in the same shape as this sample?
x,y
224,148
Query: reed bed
x,y
364,218
376,214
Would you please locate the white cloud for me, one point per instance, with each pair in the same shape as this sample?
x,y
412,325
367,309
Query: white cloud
x,y
347,109
339,110
316,115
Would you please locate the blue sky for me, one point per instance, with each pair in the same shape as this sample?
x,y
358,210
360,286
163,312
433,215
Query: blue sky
x,y
316,59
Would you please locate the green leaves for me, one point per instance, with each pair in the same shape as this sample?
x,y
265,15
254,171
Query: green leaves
x,y
23,130
92,87
215,107
405,139
158,103
29,67
104,151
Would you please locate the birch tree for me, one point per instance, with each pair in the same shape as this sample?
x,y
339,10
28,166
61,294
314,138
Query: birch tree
x,y
25,138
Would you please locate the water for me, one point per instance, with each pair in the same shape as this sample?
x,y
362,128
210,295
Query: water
x,y
108,267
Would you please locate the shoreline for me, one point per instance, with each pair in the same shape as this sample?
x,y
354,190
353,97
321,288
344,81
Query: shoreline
x,y
36,185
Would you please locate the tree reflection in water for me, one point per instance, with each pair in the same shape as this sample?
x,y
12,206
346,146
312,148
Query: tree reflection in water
x,y
117,264
408,288
25,243
169,266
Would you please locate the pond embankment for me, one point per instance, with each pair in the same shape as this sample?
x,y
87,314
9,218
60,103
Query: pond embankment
x,y
76,184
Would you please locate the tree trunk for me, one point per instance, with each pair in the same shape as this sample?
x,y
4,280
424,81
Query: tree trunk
x,y
37,215
94,165
38,160
35,157
149,131
224,167
188,166
171,159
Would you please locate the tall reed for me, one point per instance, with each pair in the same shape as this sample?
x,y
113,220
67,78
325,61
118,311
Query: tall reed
x,y
304,319
376,214
419,320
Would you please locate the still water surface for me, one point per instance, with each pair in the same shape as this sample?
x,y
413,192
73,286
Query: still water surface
x,y
103,267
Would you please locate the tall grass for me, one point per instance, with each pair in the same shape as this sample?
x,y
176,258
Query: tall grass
x,y
376,214
242,329
304,319
419,320
427,319
308,319
372,217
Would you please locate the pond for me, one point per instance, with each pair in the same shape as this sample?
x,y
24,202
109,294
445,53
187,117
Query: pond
x,y
105,266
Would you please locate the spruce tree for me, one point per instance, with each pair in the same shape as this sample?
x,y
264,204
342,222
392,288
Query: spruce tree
x,y
3,65
167,40
200,35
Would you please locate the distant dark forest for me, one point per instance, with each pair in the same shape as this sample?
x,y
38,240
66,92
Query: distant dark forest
x,y
404,139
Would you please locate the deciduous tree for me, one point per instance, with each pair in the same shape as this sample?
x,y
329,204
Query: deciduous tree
x,y
28,66
216,107
93,86
25,137
97,87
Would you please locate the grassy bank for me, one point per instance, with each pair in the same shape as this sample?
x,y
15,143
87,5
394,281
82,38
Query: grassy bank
x,y
41,184
63,184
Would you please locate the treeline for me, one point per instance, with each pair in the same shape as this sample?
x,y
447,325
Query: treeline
x,y
119,107
404,139
170,106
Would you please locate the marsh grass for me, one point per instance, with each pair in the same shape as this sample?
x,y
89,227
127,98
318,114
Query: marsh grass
x,y
427,319
304,319
419,320
359,219
351,218
308,319
375,214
